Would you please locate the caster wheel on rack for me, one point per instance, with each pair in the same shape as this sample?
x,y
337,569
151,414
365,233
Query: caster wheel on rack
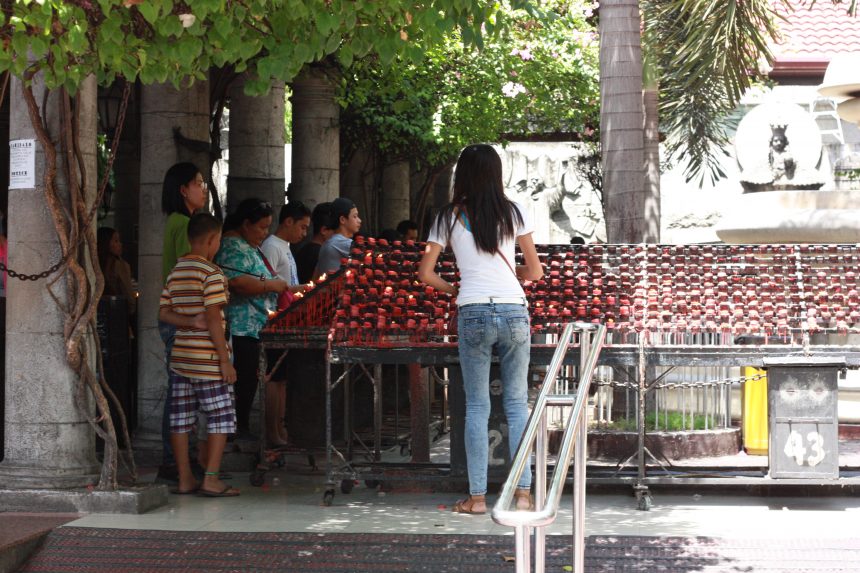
x,y
328,497
372,483
644,502
257,478
347,485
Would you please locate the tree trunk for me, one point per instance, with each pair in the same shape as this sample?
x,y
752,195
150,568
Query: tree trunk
x,y
622,122
652,165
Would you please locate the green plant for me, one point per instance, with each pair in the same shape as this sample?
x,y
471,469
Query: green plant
x,y
668,422
849,174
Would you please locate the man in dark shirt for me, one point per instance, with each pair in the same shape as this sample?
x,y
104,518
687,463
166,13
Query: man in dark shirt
x,y
308,254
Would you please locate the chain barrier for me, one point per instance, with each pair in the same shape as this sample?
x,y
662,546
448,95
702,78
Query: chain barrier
x,y
684,385
114,146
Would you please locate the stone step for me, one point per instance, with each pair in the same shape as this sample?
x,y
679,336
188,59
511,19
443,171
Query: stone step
x,y
21,534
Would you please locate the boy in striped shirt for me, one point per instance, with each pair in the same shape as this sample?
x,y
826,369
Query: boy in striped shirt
x,y
200,366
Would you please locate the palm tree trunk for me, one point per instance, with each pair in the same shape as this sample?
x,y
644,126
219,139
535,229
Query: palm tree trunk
x,y
651,97
622,121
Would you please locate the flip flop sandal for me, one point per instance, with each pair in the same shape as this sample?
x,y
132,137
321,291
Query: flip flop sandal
x,y
228,491
177,491
462,507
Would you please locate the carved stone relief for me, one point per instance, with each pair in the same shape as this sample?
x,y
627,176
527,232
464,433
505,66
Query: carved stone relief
x,y
542,178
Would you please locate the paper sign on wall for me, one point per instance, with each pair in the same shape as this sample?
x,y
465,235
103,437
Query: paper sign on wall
x,y
22,164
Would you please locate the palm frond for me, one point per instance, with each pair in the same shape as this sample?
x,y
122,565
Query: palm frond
x,y
708,53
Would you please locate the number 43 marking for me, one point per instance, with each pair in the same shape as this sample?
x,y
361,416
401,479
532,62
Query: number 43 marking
x,y
794,448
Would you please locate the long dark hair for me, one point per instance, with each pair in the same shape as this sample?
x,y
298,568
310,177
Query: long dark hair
x,y
251,210
178,175
480,194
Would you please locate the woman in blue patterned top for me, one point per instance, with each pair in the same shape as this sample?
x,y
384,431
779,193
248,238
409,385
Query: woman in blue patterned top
x,y
254,290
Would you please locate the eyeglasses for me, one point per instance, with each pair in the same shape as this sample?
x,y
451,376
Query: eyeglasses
x,y
202,183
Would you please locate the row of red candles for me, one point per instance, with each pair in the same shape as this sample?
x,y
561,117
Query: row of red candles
x,y
403,298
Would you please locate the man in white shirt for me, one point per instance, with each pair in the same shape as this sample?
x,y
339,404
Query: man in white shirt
x,y
293,223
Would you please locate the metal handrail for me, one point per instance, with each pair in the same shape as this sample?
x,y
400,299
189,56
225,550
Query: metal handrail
x,y
547,501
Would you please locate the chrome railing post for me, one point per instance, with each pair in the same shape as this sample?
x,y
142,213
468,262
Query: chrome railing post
x,y
547,500
579,459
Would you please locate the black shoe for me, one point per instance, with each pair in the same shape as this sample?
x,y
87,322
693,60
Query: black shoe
x,y
168,474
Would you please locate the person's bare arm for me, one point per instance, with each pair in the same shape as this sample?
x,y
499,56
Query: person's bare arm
x,y
216,332
533,269
246,285
168,315
427,273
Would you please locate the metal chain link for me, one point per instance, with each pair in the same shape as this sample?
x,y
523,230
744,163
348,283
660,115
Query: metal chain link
x,y
675,385
54,268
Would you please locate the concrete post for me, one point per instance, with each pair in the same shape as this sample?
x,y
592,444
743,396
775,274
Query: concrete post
x,y
316,139
49,443
162,108
394,205
256,147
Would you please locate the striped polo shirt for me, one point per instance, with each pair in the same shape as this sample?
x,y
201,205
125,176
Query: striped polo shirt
x,y
194,284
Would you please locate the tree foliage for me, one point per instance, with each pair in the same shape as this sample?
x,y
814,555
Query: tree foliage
x,y
536,76
173,41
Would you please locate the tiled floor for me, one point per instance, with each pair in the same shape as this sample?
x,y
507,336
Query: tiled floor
x,y
292,502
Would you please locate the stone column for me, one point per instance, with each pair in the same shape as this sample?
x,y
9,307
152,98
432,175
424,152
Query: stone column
x,y
256,147
394,204
316,139
49,443
359,185
162,108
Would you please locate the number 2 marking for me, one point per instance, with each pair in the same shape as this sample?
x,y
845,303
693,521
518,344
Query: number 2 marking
x,y
495,442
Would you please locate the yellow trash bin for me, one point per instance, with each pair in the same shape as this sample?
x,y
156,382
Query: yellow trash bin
x,y
754,405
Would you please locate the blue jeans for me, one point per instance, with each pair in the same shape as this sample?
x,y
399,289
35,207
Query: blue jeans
x,y
168,334
483,327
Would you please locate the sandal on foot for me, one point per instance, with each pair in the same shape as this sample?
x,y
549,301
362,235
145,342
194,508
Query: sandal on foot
x,y
228,491
524,500
468,505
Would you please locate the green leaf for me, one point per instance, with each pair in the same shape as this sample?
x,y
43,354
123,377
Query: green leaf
x,y
345,56
326,23
332,44
149,11
39,46
386,51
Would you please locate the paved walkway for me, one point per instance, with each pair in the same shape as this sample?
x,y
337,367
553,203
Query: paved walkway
x,y
686,530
